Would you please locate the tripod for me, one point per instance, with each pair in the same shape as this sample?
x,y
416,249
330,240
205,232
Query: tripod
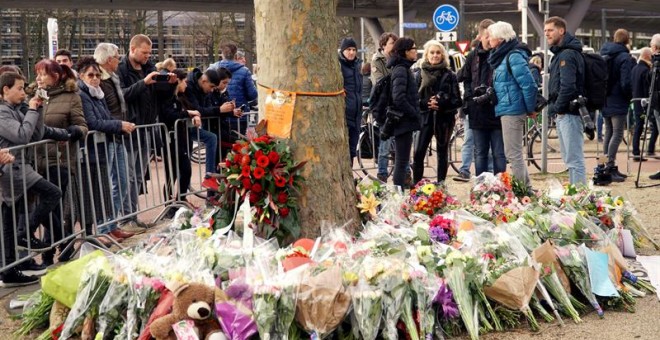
x,y
650,114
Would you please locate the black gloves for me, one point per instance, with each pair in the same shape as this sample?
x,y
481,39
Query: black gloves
x,y
75,133
60,135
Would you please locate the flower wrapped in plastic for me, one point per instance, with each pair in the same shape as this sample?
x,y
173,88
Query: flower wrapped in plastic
x,y
576,269
115,302
233,307
323,301
367,310
429,198
460,271
394,286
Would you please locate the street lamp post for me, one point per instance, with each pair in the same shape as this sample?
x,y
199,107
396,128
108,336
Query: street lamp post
x,y
401,18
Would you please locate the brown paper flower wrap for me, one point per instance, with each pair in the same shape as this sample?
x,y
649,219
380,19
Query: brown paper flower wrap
x,y
322,301
514,288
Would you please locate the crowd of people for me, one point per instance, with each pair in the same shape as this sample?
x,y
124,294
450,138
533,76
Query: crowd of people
x,y
502,80
122,97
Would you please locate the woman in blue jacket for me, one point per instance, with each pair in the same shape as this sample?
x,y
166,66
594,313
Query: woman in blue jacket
x,y
516,92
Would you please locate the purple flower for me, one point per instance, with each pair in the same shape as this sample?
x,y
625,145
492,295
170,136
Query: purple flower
x,y
554,228
438,234
445,298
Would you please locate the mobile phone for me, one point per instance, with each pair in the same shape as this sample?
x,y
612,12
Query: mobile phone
x,y
162,77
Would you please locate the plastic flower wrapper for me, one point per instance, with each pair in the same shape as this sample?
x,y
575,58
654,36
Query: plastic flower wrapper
x,y
264,305
576,269
523,231
286,305
554,286
391,207
460,271
561,228
424,286
630,221
393,284
428,197
588,232
323,301
367,310
94,284
233,308
115,302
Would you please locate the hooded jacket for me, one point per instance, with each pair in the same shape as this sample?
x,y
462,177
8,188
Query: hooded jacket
x,y
63,109
140,106
197,99
404,95
618,99
350,71
516,90
18,129
241,87
566,75
476,72
378,67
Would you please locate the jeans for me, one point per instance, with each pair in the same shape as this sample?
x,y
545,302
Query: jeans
x,y
353,136
599,126
384,157
637,134
181,168
441,129
210,141
117,163
614,127
403,143
488,143
570,130
512,134
467,150
138,165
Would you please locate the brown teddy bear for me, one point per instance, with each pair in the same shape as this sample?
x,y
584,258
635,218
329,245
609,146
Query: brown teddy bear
x,y
192,301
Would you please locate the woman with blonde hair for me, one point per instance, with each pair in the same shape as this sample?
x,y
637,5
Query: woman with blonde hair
x,y
168,65
439,100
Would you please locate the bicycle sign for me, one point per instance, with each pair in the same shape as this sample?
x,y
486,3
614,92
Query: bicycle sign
x,y
445,18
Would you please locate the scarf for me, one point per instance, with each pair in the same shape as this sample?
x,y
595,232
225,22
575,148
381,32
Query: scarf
x,y
430,75
95,92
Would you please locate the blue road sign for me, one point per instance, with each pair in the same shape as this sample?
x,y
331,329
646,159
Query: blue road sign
x,y
415,25
445,18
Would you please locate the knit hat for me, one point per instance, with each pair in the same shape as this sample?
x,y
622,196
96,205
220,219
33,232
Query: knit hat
x,y
346,43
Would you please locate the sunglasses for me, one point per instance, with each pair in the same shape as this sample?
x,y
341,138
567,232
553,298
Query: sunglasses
x,y
93,75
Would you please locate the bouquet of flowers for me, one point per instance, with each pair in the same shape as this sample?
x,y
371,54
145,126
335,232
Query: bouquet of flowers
x,y
460,271
576,268
367,309
233,308
493,198
429,198
393,285
263,169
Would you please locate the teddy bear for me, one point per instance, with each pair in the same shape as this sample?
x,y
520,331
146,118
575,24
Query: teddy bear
x,y
192,301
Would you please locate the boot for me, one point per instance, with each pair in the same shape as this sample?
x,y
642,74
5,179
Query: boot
x,y
615,174
616,169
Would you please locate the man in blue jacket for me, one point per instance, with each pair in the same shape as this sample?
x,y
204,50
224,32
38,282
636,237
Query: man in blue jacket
x,y
566,84
241,87
619,93
350,69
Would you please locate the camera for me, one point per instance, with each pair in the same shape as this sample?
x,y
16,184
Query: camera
x,y
580,104
161,77
485,95
392,118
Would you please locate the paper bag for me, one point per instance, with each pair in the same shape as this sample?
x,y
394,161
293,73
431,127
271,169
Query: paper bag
x,y
545,254
514,288
322,301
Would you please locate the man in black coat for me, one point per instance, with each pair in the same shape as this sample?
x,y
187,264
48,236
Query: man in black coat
x,y
350,70
641,82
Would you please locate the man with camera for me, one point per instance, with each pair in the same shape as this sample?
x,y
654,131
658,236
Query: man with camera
x,y
139,80
567,84
655,70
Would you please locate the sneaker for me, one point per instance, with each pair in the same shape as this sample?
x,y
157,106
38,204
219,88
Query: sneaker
x,y
14,278
382,178
35,243
462,177
32,268
134,227
655,176
638,158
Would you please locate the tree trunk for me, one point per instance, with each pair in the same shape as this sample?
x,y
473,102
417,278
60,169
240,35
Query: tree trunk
x,y
296,42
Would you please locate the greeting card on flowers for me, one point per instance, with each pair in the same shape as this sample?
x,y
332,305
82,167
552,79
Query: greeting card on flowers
x,y
601,284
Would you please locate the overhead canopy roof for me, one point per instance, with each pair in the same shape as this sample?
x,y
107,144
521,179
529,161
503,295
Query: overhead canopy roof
x,y
635,15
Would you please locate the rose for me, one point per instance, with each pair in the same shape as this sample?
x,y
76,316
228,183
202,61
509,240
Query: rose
x,y
247,184
282,197
262,161
254,198
273,157
258,154
245,172
280,182
284,212
259,173
257,188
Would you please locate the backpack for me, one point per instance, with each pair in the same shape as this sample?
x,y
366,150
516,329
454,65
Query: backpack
x,y
381,97
595,80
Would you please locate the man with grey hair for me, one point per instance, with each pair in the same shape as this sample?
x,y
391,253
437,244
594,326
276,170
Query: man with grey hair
x,y
641,82
107,56
655,49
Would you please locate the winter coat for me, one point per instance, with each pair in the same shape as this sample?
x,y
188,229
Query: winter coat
x,y
199,100
618,99
99,119
63,109
641,84
171,110
378,67
220,126
241,87
114,97
566,75
140,103
536,74
404,95
516,90
350,70
366,89
445,84
476,72
18,129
